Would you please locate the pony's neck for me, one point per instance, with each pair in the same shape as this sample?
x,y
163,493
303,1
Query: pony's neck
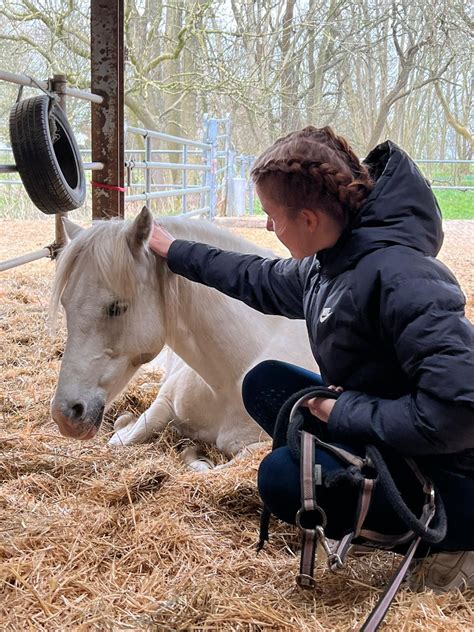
x,y
214,334
211,332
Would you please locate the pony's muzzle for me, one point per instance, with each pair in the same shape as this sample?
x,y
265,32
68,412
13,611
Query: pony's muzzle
x,y
76,419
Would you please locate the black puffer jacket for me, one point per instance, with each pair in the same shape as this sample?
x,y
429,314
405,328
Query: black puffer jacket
x,y
385,319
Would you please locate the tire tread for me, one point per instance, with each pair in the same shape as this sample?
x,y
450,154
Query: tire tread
x,y
36,161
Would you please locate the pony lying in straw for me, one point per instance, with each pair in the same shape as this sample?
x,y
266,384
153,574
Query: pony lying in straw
x,y
123,305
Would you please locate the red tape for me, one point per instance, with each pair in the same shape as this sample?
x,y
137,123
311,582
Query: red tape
x,y
111,187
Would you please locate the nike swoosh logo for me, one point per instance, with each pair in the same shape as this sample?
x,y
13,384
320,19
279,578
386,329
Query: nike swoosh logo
x,y
325,315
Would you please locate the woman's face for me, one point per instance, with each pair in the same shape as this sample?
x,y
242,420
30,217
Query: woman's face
x,y
304,233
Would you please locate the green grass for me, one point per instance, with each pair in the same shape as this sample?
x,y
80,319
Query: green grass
x,y
453,204
456,204
15,204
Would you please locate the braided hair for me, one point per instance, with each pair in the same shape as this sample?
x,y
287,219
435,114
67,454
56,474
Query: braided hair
x,y
314,169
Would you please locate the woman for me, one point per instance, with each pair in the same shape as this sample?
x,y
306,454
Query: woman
x,y
386,324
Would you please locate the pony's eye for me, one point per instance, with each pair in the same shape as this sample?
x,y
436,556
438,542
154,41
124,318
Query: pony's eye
x,y
117,308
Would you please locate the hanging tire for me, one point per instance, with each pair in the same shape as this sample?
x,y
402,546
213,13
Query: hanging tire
x,y
46,155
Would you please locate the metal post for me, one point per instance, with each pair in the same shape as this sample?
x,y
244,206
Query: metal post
x,y
227,158
242,166
185,178
205,160
148,159
230,202
59,83
107,118
212,140
251,188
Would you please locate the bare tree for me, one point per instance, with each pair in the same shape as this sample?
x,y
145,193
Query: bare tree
x,y
370,68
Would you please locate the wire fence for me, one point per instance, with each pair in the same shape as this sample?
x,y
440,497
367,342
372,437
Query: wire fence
x,y
176,175
171,174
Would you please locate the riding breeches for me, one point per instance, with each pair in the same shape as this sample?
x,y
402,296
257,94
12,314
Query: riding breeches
x,y
265,389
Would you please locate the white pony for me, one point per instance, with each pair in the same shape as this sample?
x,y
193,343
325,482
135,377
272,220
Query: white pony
x,y
123,305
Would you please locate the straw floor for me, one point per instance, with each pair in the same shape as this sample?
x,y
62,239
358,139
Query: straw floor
x,y
98,539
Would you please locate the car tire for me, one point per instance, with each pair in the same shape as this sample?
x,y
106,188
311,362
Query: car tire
x,y
46,155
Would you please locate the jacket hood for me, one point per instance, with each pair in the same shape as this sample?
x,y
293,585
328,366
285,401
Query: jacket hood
x,y
400,210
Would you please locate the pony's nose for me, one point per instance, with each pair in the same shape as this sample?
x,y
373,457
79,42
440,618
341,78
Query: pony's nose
x,y
77,411
72,422
69,412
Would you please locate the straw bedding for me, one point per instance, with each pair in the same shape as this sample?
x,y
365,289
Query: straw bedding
x,y
98,539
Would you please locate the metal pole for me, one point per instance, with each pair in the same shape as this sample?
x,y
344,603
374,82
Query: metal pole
x,y
230,204
227,158
107,119
251,189
18,261
212,140
206,160
59,84
148,158
24,80
185,178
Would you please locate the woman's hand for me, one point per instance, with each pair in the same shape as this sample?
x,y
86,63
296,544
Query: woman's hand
x,y
160,240
321,407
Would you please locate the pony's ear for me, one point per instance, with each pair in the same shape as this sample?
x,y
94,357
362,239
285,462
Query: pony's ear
x,y
72,230
140,230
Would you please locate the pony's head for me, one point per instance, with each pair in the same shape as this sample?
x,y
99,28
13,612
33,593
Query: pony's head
x,y
107,281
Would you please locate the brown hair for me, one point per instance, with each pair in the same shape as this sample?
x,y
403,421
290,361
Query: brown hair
x,y
315,169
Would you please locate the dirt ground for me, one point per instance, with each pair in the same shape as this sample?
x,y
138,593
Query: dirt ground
x,y
99,539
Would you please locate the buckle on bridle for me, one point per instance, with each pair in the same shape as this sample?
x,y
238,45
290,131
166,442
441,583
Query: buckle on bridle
x,y
301,515
334,560
430,492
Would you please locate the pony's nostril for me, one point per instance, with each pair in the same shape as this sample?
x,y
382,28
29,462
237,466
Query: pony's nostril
x,y
77,411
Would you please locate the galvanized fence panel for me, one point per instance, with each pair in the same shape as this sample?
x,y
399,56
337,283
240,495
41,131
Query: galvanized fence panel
x,y
190,170
190,177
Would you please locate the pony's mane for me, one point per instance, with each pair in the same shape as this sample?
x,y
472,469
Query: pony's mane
x,y
105,243
210,233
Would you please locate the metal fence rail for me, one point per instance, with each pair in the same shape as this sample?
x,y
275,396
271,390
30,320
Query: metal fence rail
x,y
54,87
198,177
200,166
178,160
454,174
25,80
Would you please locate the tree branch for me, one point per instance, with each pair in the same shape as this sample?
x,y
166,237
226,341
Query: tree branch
x,y
451,119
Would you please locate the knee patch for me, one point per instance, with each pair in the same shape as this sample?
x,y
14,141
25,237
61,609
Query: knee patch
x,y
279,484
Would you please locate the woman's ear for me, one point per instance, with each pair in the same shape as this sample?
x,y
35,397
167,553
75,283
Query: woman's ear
x,y
310,218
